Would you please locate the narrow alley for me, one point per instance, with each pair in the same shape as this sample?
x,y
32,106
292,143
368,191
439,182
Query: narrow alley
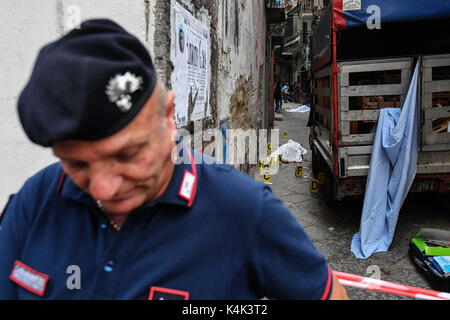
x,y
332,228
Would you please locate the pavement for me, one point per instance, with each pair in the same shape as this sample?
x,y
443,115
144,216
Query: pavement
x,y
332,228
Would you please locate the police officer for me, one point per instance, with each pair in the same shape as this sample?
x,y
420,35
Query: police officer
x,y
117,218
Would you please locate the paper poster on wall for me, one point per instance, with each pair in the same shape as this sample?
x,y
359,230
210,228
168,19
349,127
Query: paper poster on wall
x,y
190,55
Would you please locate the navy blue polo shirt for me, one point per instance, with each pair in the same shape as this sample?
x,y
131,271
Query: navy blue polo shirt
x,y
233,239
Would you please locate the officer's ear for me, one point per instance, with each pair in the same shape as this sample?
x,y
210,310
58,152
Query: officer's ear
x,y
169,113
169,105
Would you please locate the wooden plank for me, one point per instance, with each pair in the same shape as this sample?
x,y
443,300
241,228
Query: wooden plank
x,y
344,128
427,129
427,74
361,115
428,157
357,139
427,100
374,90
406,76
435,113
439,138
436,61
374,61
432,168
376,66
437,86
326,71
323,101
324,92
323,111
437,147
344,79
360,150
344,104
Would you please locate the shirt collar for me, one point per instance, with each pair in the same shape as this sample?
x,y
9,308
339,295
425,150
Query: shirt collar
x,y
181,191
183,185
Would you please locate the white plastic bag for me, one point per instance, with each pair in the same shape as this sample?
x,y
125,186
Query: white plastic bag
x,y
291,152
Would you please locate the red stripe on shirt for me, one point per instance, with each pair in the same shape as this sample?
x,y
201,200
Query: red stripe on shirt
x,y
326,293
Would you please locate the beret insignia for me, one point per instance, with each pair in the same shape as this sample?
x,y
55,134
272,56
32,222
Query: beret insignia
x,y
120,87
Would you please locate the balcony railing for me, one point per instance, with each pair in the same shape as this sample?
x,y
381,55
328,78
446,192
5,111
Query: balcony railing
x,y
298,38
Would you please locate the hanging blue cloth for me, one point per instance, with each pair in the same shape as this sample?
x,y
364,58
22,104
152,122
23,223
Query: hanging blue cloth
x,y
392,170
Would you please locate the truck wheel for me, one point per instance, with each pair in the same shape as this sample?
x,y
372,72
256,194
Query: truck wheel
x,y
315,162
330,189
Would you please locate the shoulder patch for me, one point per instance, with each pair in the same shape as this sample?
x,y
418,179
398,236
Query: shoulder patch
x,y
158,293
28,278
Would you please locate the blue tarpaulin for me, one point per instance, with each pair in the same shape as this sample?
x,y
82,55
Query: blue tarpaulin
x,y
355,13
391,173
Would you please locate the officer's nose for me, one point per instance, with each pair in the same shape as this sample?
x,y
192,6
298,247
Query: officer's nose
x,y
104,185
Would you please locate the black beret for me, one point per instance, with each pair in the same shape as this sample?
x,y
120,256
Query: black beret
x,y
87,85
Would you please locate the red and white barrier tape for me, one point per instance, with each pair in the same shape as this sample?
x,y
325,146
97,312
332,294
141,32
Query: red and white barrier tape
x,y
352,280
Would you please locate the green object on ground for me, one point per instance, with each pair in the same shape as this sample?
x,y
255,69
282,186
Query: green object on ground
x,y
430,250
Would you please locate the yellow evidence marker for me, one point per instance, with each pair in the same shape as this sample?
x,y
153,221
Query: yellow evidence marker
x,y
269,146
280,159
266,177
314,187
321,178
285,134
299,172
260,164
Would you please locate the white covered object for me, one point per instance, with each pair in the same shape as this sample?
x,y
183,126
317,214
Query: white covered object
x,y
300,109
291,152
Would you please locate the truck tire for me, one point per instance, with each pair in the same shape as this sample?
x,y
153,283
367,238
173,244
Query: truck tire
x,y
315,162
330,189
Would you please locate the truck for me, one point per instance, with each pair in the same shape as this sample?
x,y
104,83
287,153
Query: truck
x,y
363,55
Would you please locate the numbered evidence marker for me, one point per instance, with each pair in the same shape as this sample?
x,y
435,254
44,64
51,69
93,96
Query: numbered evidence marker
x,y
314,187
321,178
271,161
280,159
299,172
264,168
269,146
285,134
263,165
266,177
260,164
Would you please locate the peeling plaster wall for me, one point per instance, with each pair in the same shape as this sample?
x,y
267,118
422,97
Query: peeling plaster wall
x,y
242,29
239,60
243,62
